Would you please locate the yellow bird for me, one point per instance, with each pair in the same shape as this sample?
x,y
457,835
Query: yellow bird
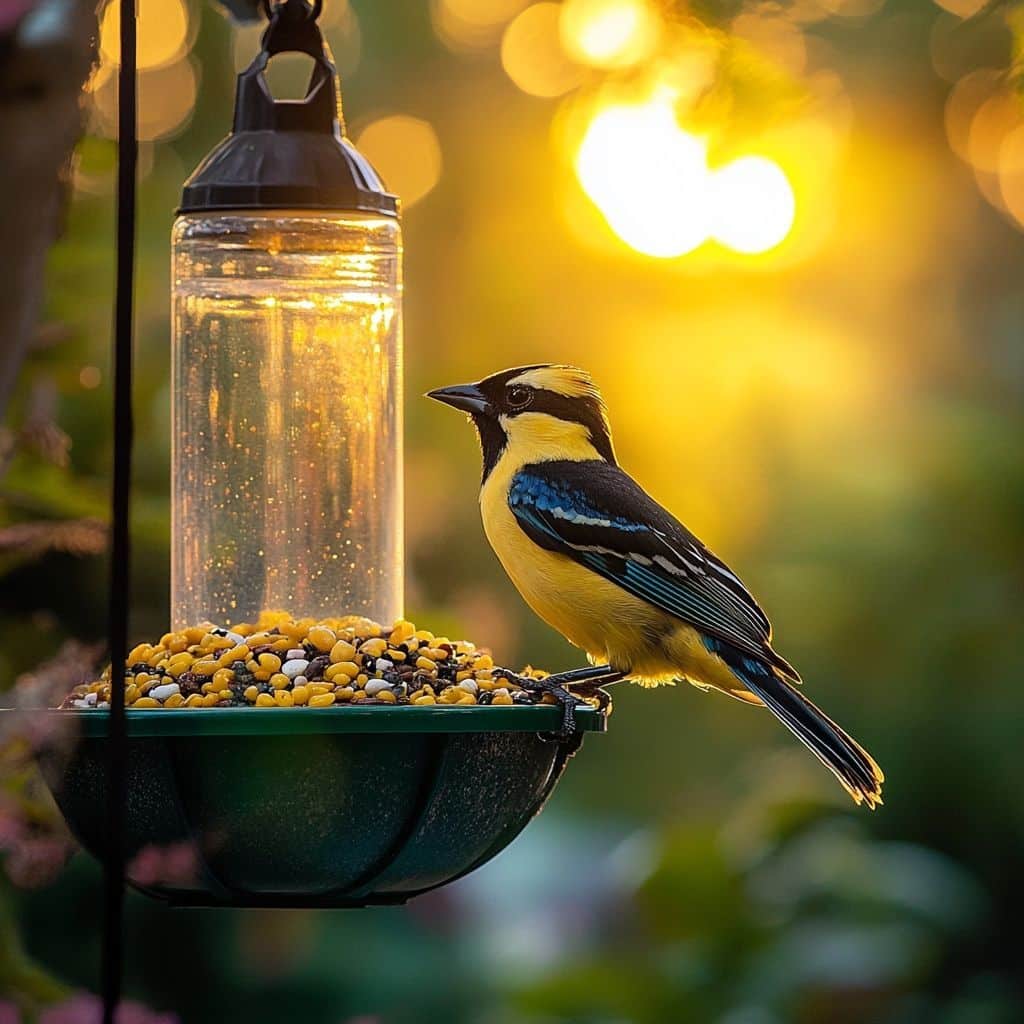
x,y
616,574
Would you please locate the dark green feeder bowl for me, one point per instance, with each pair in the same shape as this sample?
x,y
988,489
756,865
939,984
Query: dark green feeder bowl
x,y
316,807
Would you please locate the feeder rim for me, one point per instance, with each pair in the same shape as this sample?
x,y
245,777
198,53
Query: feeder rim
x,y
252,721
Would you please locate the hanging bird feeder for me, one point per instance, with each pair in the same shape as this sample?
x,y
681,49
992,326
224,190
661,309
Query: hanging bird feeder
x,y
287,493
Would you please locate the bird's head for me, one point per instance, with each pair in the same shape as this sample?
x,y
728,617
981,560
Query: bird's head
x,y
543,412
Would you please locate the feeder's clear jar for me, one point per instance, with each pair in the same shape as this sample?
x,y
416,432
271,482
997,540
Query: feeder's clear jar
x,y
286,416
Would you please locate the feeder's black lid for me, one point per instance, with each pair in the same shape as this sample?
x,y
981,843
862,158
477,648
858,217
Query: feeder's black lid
x,y
288,154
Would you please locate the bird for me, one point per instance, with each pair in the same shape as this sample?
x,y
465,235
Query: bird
x,y
615,573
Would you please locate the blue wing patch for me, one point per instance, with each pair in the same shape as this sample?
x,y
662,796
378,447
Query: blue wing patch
x,y
597,515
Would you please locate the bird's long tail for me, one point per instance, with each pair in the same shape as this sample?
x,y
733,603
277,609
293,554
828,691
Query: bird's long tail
x,y
851,764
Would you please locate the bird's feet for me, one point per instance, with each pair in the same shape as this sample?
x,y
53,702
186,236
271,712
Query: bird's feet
x,y
586,681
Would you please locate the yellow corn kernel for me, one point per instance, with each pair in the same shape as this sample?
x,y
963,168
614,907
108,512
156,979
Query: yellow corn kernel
x,y
225,695
251,693
131,693
548,698
502,697
463,675
261,675
317,688
210,700
279,681
322,638
348,668
484,674
300,695
423,634
333,671
437,653
283,698
402,631
362,679
223,678
243,628
174,701
483,661
425,699
449,695
468,699
95,687
321,700
215,642
343,692
387,696
269,663
358,695
485,684
264,700
239,653
194,700
205,667
282,643
426,664
343,651
146,702
252,665
397,655
375,646
140,653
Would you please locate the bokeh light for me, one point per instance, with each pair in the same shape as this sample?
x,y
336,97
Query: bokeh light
x,y
650,179
609,33
468,25
166,98
753,205
163,33
533,56
962,8
406,153
647,176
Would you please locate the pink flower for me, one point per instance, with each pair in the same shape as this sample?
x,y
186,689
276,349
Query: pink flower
x,y
174,864
84,1008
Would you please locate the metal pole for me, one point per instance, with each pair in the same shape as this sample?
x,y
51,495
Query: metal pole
x,y
120,550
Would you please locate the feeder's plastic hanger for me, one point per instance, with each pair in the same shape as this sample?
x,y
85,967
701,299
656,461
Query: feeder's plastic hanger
x,y
288,154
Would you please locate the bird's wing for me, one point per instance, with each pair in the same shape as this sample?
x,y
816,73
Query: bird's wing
x,y
596,514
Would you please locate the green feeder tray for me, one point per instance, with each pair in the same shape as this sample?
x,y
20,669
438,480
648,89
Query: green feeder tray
x,y
316,807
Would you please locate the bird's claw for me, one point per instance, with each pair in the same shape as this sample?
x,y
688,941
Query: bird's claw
x,y
566,700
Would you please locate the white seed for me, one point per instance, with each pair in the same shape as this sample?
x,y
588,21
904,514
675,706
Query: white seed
x,y
375,686
164,691
80,704
469,686
300,680
296,653
294,667
383,664
103,704
235,638
90,699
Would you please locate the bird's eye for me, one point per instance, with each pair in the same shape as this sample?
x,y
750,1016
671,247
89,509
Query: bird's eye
x,y
519,397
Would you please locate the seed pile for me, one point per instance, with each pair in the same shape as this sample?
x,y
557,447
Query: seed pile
x,y
283,662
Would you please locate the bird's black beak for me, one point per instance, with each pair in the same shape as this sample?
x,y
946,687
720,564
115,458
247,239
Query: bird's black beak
x,y
467,397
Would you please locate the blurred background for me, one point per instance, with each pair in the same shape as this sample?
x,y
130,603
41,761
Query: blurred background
x,y
786,238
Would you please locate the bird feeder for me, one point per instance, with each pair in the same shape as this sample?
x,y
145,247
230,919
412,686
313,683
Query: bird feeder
x,y
287,493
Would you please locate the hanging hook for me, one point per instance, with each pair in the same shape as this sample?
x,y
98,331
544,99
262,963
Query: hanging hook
x,y
312,12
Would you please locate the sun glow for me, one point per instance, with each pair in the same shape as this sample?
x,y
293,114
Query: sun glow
x,y
609,33
651,181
